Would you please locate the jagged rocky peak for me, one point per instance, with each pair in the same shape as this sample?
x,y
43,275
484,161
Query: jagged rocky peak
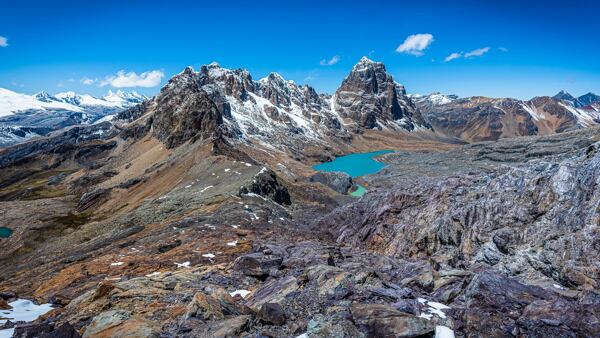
x,y
286,93
45,97
234,82
277,90
566,97
563,95
589,99
371,97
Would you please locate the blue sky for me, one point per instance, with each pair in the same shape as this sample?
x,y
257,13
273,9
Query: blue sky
x,y
535,48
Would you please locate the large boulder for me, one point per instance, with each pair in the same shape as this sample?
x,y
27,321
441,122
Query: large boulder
x,y
272,313
266,184
120,324
338,181
380,320
257,264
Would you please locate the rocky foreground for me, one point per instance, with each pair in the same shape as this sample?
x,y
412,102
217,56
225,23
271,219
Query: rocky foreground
x,y
180,219
500,241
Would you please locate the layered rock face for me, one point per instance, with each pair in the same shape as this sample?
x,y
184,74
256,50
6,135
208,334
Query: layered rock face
x,y
370,97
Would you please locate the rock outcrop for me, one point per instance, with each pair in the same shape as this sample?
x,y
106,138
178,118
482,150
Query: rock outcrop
x,y
338,181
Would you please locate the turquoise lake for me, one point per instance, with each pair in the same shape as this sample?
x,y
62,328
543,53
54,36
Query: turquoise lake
x,y
355,165
5,232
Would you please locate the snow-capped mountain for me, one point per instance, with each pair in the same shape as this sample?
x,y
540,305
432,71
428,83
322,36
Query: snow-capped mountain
x,y
12,102
276,112
433,99
24,116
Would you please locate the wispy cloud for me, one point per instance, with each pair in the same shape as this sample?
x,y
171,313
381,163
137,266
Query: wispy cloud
x,y
3,41
452,57
503,49
335,59
87,81
477,52
415,44
121,79
471,54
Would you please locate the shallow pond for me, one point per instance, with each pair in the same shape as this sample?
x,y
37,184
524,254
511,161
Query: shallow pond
x,y
355,165
5,232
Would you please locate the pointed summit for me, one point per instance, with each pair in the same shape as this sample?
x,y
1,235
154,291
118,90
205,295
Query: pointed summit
x,y
588,99
365,59
188,70
45,97
371,97
566,97
365,63
563,95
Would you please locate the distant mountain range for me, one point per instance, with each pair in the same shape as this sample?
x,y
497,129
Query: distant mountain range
x,y
481,118
582,101
25,116
284,114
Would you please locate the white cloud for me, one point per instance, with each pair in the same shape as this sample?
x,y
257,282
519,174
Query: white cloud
x,y
131,79
503,49
87,81
477,52
415,44
452,56
331,61
3,41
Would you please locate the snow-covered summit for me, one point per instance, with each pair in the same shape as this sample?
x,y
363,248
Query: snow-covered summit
x,y
12,102
364,63
435,98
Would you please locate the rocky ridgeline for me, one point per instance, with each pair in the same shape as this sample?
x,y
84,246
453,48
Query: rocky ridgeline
x,y
478,118
275,111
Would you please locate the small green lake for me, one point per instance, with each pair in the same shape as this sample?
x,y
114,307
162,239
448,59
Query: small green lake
x,y
355,165
5,232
